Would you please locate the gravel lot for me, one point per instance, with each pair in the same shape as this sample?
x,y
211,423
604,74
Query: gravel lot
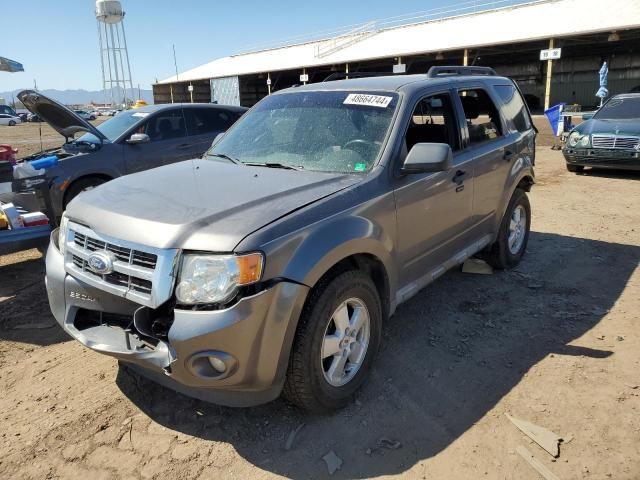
x,y
554,342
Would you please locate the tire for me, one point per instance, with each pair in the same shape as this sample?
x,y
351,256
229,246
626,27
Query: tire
x,y
500,254
12,123
575,168
81,186
307,385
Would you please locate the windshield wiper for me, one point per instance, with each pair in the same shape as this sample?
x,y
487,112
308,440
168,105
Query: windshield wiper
x,y
226,157
273,165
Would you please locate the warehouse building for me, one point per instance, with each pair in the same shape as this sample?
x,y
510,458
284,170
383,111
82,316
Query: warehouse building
x,y
513,37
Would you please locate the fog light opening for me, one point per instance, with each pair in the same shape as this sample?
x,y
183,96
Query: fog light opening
x,y
217,364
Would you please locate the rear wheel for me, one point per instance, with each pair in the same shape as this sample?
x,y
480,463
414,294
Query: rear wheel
x,y
575,168
513,236
81,186
12,123
337,338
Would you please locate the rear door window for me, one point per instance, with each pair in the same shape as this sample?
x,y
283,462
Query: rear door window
x,y
208,120
481,114
514,107
165,126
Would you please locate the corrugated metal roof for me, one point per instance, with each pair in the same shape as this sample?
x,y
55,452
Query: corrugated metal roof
x,y
539,20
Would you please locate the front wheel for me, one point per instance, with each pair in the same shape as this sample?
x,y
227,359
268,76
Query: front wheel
x,y
12,123
337,338
513,236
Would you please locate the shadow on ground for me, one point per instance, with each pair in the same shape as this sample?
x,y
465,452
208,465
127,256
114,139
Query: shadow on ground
x,y
448,356
23,299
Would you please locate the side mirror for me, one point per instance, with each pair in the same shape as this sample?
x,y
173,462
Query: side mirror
x,y
137,138
428,157
587,116
217,139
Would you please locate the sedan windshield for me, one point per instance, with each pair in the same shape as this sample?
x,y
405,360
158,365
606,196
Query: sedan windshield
x,y
116,126
620,109
320,131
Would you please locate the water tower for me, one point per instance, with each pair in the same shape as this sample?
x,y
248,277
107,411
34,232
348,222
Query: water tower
x,y
114,57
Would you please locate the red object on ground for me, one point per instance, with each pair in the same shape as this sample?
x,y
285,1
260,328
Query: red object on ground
x,y
34,219
8,153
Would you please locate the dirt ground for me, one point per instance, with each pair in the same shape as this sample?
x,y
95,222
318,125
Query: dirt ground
x,y
554,342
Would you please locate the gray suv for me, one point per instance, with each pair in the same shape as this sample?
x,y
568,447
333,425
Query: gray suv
x,y
271,264
133,141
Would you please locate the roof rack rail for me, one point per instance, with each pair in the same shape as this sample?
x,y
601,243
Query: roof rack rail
x,y
344,75
435,72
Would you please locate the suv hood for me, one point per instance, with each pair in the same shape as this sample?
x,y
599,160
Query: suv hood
x,y
64,121
200,204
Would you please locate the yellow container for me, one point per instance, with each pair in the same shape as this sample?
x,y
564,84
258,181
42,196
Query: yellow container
x,y
4,221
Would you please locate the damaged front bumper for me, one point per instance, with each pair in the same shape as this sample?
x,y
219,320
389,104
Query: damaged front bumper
x,y
252,338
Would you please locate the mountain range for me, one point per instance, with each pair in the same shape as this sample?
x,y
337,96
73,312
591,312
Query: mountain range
x,y
82,97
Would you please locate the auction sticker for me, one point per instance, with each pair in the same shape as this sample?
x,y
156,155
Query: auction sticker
x,y
380,101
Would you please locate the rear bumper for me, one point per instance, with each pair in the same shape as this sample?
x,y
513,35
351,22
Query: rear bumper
x,y
254,335
619,159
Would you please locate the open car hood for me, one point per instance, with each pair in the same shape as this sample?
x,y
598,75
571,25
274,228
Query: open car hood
x,y
63,120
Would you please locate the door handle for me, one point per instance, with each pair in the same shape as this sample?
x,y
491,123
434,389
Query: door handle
x,y
508,155
458,178
183,146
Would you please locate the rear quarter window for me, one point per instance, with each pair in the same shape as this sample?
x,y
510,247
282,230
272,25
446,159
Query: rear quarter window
x,y
514,108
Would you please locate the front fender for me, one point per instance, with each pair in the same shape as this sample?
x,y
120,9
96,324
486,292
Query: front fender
x,y
521,170
305,256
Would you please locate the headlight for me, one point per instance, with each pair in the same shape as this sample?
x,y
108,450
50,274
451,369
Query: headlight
x,y
62,234
573,139
584,141
216,278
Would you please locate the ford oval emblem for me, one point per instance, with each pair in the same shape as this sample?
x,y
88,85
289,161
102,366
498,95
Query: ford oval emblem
x,y
101,262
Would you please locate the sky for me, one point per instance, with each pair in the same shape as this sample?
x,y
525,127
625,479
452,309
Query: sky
x,y
57,40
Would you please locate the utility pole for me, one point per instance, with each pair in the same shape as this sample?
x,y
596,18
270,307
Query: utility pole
x,y
547,91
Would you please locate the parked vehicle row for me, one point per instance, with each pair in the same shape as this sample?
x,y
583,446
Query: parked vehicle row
x,y
271,264
133,141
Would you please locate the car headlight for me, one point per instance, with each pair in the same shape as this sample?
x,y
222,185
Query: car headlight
x,y
216,278
584,141
573,139
62,234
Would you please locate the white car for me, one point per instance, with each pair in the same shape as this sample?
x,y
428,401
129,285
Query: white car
x,y
6,119
85,115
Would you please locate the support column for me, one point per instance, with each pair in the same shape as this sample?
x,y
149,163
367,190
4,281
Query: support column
x,y
191,91
547,91
465,58
347,71
304,72
171,92
269,83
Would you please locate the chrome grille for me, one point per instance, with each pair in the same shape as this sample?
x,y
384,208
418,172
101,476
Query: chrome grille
x,y
142,274
615,142
134,257
115,278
